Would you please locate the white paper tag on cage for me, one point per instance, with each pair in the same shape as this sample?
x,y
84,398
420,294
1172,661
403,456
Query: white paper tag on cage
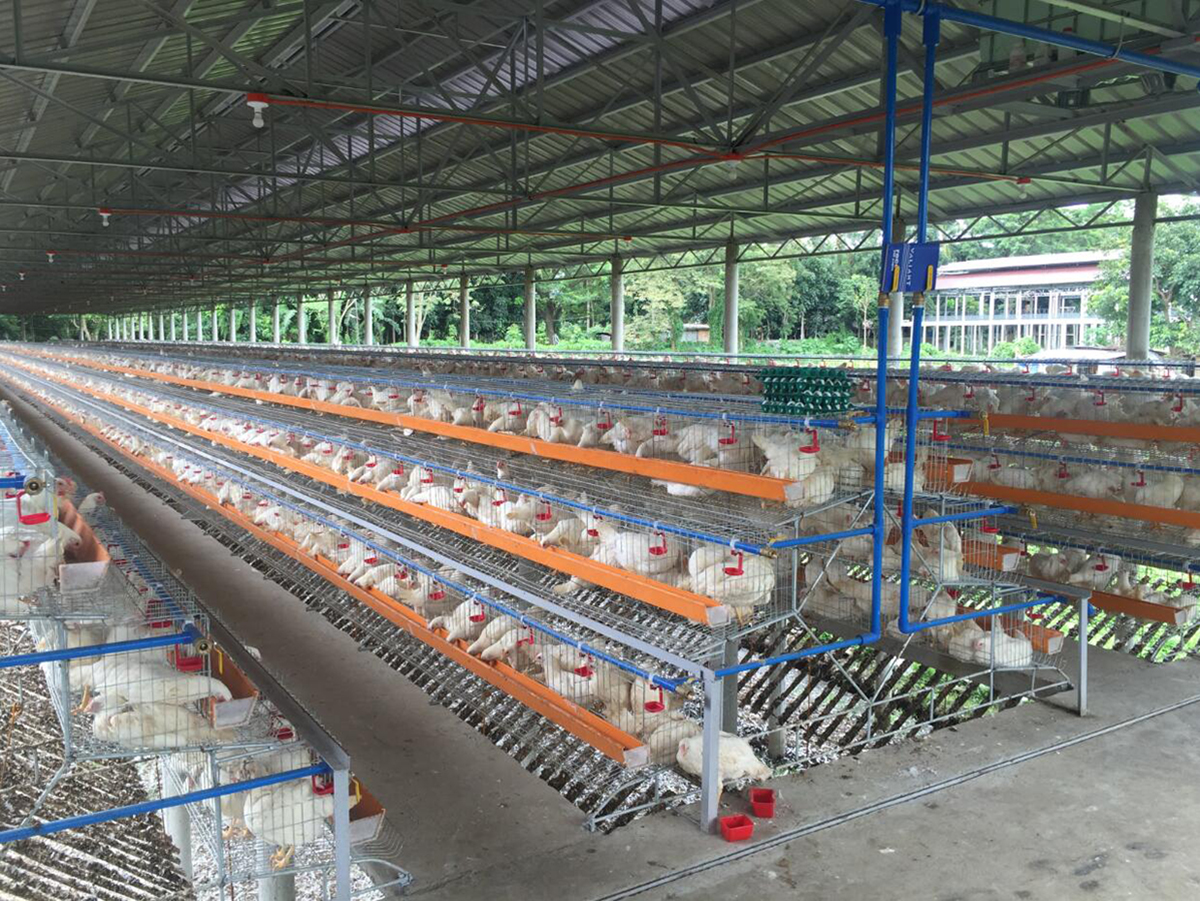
x,y
794,492
82,576
237,712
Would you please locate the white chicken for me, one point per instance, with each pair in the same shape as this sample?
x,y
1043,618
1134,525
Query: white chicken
x,y
740,581
735,759
465,622
155,725
287,815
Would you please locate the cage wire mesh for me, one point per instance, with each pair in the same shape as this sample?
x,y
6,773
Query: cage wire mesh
x,y
736,384
277,829
33,542
490,627
950,687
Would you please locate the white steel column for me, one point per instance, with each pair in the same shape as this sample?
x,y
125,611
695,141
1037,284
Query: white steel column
x,y
162,328
108,328
410,315
253,321
464,312
617,303
731,297
1141,276
281,887
334,336
302,320
232,325
173,326
275,337
216,330
341,834
184,317
178,825
199,324
368,317
530,310
710,774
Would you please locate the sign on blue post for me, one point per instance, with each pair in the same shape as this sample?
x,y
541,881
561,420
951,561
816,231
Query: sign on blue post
x,y
910,267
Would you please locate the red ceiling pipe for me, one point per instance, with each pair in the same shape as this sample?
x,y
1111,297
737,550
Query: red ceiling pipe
x,y
712,157
565,130
915,108
873,164
159,253
383,228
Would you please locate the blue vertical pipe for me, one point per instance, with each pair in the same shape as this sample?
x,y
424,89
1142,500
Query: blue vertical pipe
x,y
932,34
891,29
1042,35
910,460
881,450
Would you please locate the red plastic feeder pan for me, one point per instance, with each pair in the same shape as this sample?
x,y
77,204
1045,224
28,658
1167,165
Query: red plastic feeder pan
x,y
762,802
187,663
737,828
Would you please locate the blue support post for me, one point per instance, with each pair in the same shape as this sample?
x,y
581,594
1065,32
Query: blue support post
x,y
132,810
891,28
1042,35
932,34
881,452
912,411
187,636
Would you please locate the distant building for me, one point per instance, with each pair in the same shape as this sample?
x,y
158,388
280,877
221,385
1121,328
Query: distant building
x,y
980,303
695,333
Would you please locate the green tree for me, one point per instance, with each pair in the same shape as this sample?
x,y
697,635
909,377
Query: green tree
x,y
657,302
1175,293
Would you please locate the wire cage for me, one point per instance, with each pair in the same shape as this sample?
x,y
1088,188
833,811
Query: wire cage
x,y
1143,591
281,830
684,431
802,574
676,545
33,539
277,832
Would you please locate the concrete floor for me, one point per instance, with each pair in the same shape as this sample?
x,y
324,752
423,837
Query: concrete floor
x,y
1108,817
1111,816
1105,816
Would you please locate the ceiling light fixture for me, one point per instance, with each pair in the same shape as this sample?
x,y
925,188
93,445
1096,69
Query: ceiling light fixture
x,y
258,103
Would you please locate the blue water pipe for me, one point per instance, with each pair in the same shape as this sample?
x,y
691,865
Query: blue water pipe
x,y
878,527
189,635
932,36
978,513
465,590
1074,458
1042,35
467,388
133,810
913,413
616,516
